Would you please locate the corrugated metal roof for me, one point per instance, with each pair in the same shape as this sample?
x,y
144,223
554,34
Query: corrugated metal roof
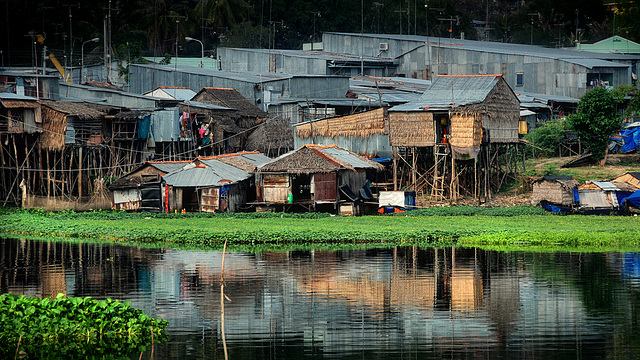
x,y
346,157
452,91
605,185
257,159
209,173
180,94
315,54
568,55
12,96
168,167
238,76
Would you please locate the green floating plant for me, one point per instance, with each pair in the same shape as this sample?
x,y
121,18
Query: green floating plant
x,y
74,328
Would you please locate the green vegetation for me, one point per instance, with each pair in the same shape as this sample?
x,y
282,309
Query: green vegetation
x,y
596,120
547,137
74,328
467,226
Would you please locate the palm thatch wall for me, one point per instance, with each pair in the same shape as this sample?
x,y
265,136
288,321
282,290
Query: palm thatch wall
x,y
411,129
273,137
466,127
501,114
359,125
554,189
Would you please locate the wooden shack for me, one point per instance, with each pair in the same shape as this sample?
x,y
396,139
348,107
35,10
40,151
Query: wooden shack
x,y
312,177
142,189
631,178
207,185
558,190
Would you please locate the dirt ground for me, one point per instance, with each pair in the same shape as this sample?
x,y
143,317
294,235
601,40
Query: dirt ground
x,y
617,164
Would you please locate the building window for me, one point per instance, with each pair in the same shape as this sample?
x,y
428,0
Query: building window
x,y
519,79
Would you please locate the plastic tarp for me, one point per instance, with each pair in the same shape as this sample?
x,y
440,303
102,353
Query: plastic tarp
x,y
631,138
633,199
144,127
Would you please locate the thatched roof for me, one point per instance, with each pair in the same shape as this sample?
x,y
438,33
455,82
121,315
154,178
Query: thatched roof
x,y
273,137
82,111
318,159
230,98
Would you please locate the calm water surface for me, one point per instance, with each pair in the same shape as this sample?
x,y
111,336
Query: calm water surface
x,y
401,303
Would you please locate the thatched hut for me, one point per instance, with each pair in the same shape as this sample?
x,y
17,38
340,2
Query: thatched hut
x,y
272,137
558,190
463,110
70,123
19,114
461,116
365,133
312,176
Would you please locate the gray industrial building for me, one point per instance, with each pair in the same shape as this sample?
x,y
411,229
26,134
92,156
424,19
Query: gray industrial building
x,y
527,68
260,89
304,62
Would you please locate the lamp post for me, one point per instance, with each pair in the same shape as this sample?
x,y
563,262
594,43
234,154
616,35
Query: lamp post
x,y
201,48
82,55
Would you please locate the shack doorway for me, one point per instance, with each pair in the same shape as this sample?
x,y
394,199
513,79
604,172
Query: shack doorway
x,y
301,187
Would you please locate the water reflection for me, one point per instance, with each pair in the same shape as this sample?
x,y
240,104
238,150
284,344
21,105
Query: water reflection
x,y
378,304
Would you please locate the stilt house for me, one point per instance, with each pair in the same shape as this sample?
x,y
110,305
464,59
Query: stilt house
x,y
468,119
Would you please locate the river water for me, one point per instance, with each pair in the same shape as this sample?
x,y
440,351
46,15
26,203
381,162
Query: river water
x,y
399,303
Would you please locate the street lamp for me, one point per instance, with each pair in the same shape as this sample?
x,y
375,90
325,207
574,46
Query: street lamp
x,y
82,55
187,38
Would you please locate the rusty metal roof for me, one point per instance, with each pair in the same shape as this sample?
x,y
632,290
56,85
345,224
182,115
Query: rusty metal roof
x,y
205,173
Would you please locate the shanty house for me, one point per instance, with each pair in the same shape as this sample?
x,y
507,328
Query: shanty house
x,y
598,196
313,176
232,129
632,178
141,189
207,185
558,190
19,114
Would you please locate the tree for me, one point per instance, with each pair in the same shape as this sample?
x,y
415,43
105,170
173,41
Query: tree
x,y
596,120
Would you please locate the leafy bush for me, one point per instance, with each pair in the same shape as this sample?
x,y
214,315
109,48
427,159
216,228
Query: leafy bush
x,y
547,137
74,328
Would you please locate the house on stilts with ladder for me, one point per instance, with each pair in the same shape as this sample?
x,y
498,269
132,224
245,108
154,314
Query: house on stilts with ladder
x,y
460,138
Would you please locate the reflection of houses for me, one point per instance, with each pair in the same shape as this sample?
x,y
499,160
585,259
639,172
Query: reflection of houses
x,y
460,136
313,176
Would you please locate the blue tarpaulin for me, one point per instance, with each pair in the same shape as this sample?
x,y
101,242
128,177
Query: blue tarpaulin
x,y
633,199
631,138
144,127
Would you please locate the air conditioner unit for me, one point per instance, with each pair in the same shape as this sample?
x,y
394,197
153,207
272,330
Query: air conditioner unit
x,y
384,46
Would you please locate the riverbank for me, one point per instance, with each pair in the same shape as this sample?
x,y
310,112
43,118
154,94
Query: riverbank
x,y
521,227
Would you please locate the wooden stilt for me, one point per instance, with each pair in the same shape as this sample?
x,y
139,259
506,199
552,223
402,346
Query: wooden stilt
x,y
80,173
394,154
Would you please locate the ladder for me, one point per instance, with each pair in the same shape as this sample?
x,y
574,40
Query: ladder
x,y
441,153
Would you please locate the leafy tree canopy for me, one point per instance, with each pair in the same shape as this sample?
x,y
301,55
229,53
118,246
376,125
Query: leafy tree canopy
x,y
596,120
